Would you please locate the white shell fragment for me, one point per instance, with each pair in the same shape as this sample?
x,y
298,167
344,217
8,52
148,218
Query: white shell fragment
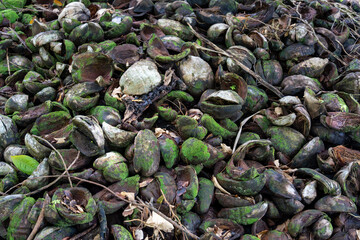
x,y
141,78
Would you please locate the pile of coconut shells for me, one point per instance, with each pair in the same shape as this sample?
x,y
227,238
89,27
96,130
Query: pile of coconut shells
x,y
197,119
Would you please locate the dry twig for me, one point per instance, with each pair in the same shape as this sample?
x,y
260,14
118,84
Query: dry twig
x,y
236,60
21,41
61,157
83,233
314,33
240,129
141,204
7,61
55,181
40,218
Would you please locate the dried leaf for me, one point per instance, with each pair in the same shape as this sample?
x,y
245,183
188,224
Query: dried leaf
x,y
277,163
159,223
160,199
58,3
278,111
128,210
260,234
283,227
32,20
60,140
139,234
116,93
128,195
225,148
159,132
217,185
145,182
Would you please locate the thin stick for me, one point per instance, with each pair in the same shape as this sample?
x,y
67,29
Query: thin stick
x,y
135,203
314,33
21,41
236,60
55,181
240,129
7,61
83,233
142,205
62,159
40,218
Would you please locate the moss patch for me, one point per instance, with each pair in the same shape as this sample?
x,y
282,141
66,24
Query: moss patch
x,y
169,152
167,114
215,128
286,140
194,151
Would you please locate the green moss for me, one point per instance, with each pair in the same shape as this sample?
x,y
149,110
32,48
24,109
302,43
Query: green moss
x,y
113,102
173,58
249,237
185,206
121,233
190,175
29,44
18,225
50,122
57,106
131,38
148,123
167,114
188,127
247,136
190,219
107,45
121,29
2,54
229,125
334,99
286,140
215,128
324,230
101,113
180,95
108,25
245,215
26,18
55,25
248,187
197,88
6,4
216,156
169,152
256,99
9,14
8,181
161,180
85,2
146,153
68,26
116,172
194,151
70,49
205,195
198,168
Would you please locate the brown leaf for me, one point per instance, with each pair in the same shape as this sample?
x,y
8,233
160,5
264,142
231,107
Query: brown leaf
x,y
60,140
128,210
344,155
145,182
129,195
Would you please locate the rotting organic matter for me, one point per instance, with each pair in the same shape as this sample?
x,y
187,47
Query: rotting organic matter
x,y
116,119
